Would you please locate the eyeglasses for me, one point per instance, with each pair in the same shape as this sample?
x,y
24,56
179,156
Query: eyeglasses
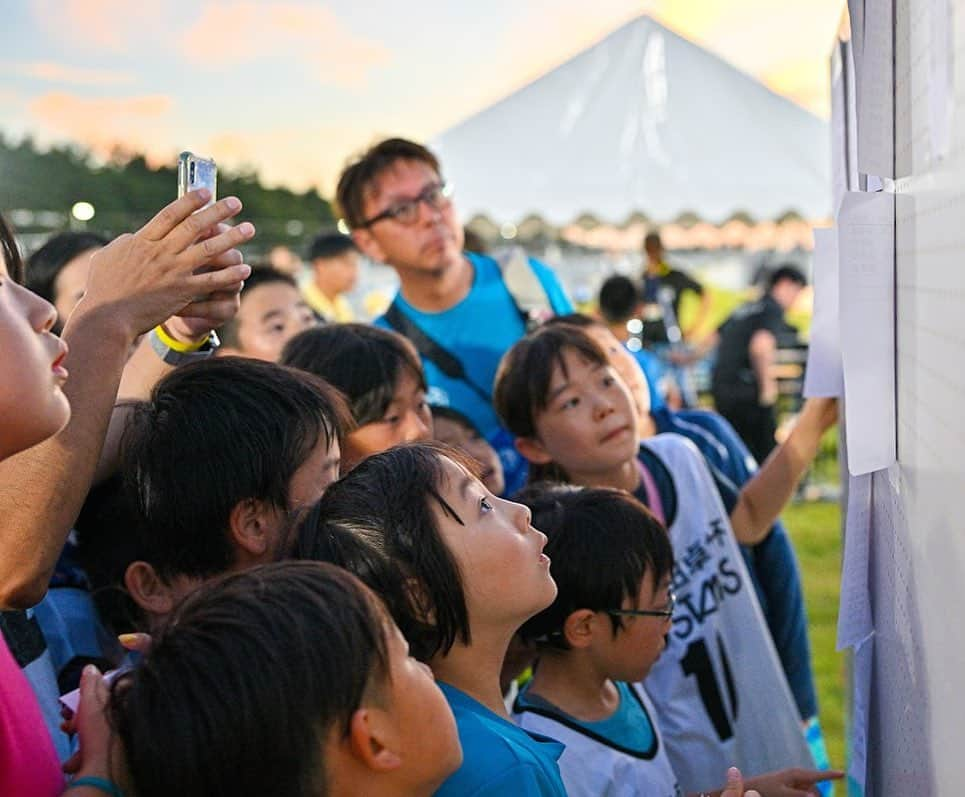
x,y
437,196
666,614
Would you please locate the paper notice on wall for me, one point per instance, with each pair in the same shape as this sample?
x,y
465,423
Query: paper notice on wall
x,y
876,95
866,312
855,621
941,89
823,376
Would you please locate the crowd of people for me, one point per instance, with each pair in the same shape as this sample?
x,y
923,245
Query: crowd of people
x,y
252,547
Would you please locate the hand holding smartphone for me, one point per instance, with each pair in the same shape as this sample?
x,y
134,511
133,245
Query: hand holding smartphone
x,y
196,172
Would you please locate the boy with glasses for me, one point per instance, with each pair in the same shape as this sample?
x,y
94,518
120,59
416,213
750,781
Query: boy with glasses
x,y
613,563
453,305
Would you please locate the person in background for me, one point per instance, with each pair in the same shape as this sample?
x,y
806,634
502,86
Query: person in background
x,y
455,306
334,259
621,308
744,380
451,427
379,374
272,312
58,270
662,288
285,260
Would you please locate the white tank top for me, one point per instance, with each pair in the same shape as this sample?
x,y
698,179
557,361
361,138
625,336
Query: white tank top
x,y
720,694
593,767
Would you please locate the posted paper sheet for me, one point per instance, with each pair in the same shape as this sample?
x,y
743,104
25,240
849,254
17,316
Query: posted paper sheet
x,y
823,376
876,95
866,274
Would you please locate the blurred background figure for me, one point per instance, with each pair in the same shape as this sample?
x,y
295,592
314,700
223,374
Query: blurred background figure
x,y
58,270
283,259
745,380
334,261
662,288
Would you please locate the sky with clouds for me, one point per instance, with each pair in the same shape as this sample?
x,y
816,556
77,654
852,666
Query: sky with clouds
x,y
294,87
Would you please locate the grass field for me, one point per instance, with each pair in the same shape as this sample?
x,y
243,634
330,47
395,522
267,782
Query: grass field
x,y
816,531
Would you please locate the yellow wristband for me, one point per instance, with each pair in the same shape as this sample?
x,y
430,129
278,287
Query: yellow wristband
x,y
177,345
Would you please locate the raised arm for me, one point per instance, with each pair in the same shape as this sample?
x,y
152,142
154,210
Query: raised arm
x,y
136,282
763,497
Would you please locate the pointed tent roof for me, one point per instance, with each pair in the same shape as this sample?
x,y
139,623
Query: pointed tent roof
x,y
644,121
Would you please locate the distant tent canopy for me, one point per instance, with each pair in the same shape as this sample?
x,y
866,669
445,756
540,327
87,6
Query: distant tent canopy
x,y
644,129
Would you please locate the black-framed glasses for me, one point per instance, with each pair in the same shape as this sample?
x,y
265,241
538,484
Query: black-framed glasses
x,y
437,196
666,614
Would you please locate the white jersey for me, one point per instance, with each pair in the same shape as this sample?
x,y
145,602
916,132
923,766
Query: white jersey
x,y
721,696
592,766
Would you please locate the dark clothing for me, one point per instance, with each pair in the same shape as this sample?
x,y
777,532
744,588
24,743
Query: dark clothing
x,y
755,423
734,384
734,378
661,292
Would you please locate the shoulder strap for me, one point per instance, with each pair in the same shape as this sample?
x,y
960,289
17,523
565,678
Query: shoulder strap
x,y
443,359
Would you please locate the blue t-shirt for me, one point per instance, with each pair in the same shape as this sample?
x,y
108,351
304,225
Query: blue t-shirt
x,y
479,331
655,371
499,759
629,727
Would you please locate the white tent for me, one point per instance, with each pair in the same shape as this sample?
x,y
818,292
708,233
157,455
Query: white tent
x,y
642,122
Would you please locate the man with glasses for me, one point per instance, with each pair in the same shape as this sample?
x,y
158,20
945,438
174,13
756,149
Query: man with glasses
x,y
453,305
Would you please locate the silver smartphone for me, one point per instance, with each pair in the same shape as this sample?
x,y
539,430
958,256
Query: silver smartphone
x,y
196,172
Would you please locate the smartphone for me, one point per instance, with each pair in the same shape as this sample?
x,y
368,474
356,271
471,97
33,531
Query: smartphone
x,y
196,172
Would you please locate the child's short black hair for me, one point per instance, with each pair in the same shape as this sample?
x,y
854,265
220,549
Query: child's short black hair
x,y
216,433
107,542
378,522
260,275
601,544
330,244
46,263
618,299
523,380
363,362
248,679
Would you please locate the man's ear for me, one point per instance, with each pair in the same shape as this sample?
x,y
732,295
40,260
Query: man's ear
x,y
578,628
255,526
370,738
148,589
533,450
365,241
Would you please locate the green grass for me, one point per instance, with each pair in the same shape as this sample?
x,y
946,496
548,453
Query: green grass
x,y
816,531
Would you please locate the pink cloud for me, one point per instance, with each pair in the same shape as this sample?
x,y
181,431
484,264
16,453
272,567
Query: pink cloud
x,y
65,73
239,32
104,124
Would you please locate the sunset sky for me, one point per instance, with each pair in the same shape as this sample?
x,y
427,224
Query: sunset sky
x,y
294,87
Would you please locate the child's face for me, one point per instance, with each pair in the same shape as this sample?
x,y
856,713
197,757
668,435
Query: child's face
x,y
506,575
425,734
630,654
31,374
406,419
270,315
466,438
625,364
588,426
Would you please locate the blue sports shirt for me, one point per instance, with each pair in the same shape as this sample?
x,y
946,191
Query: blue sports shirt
x,y
479,330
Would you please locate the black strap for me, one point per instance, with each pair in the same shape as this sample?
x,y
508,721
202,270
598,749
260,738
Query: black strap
x,y
433,351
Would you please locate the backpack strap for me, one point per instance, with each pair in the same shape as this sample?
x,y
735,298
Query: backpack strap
x,y
442,358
